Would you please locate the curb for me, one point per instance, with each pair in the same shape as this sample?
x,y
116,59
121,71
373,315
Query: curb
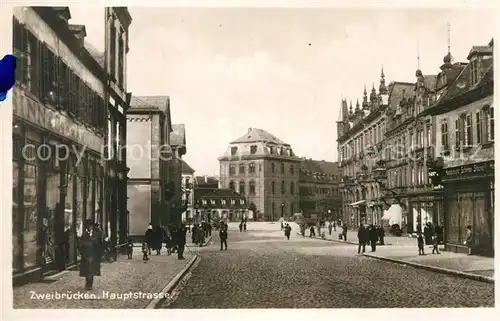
x,y
155,303
208,240
329,240
466,275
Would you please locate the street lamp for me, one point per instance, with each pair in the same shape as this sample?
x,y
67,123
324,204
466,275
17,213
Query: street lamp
x,y
282,209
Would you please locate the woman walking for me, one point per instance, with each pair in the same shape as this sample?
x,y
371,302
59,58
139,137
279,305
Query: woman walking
x,y
91,250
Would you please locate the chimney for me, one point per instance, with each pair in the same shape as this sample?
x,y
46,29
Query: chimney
x,y
206,179
62,13
249,129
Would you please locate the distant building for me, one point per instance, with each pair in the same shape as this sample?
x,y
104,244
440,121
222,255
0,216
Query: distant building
x,y
319,189
213,204
206,181
264,170
187,188
174,192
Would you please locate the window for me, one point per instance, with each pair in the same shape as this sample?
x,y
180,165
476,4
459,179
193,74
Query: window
x,y
474,71
271,149
251,168
223,202
283,191
232,169
121,70
233,202
468,130
251,189
282,151
292,170
234,150
479,127
232,185
457,133
428,135
282,168
204,202
292,188
253,149
242,187
292,210
410,139
112,49
444,135
242,202
273,187
242,169
273,167
212,202
491,125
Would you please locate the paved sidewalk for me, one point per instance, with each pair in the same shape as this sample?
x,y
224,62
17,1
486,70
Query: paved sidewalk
x,y
120,277
470,266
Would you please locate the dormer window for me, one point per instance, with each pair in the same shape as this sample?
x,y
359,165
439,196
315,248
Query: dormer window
x,y
234,150
253,149
474,71
271,150
282,151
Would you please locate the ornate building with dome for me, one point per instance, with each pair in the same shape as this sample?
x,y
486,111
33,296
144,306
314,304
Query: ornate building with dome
x,y
265,170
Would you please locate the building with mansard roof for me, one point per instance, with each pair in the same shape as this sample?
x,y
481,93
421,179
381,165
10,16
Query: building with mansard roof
x,y
265,170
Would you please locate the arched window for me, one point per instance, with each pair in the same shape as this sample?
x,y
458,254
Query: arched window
x,y
292,188
273,187
273,167
232,185
242,169
282,168
232,169
251,168
252,187
283,191
242,187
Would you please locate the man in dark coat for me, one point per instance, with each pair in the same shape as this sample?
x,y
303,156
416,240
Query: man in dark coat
x,y
181,241
223,237
344,231
373,234
381,235
91,249
288,231
149,238
362,238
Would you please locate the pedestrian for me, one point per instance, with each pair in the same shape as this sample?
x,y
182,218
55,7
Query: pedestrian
x,y
288,230
468,240
223,237
200,237
149,237
344,232
420,243
173,236
311,231
157,239
373,234
361,238
439,232
330,227
181,242
282,227
194,233
381,234
130,249
145,251
209,228
435,244
241,226
168,243
334,227
244,226
91,249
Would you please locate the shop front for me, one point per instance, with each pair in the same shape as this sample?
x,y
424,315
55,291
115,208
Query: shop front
x,y
57,184
469,194
423,208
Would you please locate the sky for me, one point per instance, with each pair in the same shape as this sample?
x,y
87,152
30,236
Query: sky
x,y
282,70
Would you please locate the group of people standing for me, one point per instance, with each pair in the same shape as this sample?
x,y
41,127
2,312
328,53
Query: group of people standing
x,y
174,239
199,232
243,225
370,235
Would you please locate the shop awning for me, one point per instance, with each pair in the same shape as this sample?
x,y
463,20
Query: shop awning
x,y
394,215
357,203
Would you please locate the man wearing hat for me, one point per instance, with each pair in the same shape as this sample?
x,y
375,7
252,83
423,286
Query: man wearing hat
x,y
91,250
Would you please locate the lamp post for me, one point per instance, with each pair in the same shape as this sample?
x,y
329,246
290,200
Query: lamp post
x,y
282,209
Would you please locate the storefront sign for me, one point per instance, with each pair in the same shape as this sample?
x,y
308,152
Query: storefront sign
x,y
477,168
35,113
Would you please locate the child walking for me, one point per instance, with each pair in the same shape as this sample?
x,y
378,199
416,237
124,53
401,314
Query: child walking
x,y
130,249
145,251
420,241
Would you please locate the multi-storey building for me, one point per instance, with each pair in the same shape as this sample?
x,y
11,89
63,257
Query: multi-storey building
x,y
464,116
187,187
361,148
150,185
319,189
174,189
213,204
264,170
60,126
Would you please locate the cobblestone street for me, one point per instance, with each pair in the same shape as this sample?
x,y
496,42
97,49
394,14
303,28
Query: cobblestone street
x,y
120,277
261,269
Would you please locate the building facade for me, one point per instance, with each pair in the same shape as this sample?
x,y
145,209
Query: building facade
x,y
59,115
187,187
149,154
465,135
175,204
264,170
319,189
213,204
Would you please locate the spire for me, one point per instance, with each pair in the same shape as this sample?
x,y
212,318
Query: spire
x,y
447,60
382,89
365,99
350,107
373,95
357,105
418,73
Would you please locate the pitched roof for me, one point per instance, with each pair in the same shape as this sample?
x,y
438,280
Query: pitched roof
x,y
201,192
185,168
96,54
259,135
320,166
150,102
200,180
398,91
178,135
481,50
430,82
